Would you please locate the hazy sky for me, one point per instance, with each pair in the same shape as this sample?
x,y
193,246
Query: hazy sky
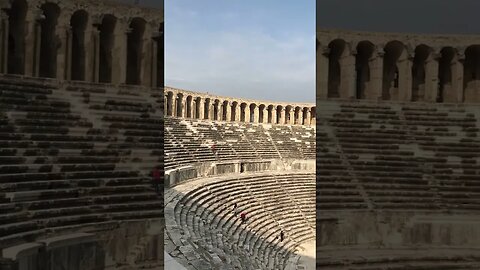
x,y
416,16
259,49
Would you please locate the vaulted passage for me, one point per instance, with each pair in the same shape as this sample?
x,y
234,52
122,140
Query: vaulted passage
x,y
472,67
16,38
362,66
391,73
445,73
107,29
135,50
49,41
418,72
337,48
78,24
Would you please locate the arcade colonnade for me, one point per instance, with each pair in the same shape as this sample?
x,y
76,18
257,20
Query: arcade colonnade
x,y
87,40
186,104
398,67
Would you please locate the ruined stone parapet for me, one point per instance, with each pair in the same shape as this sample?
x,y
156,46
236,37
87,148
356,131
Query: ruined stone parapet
x,y
84,40
196,105
398,66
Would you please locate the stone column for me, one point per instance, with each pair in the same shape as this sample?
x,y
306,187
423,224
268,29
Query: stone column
x,y
322,72
183,107
92,51
405,80
33,15
458,73
282,117
348,75
4,28
292,116
62,51
154,76
228,111
94,55
300,117
308,118
237,113
247,114
255,114
119,52
201,109
431,77
374,91
146,57
262,112
69,60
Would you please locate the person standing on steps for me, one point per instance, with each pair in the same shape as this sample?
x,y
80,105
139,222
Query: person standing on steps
x,y
243,217
214,150
156,178
281,236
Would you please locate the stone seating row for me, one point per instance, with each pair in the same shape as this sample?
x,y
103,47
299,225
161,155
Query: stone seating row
x,y
398,156
67,164
205,214
189,141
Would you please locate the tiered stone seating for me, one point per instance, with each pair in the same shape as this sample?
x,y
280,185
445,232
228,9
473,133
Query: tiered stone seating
x,y
189,141
206,225
388,259
66,163
403,156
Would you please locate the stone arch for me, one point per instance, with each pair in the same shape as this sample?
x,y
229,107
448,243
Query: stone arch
x,y
135,39
288,115
189,101
49,41
472,68
233,114
170,100
337,50
270,114
252,113
445,77
225,108
394,52
206,109
243,112
261,113
296,116
78,24
278,119
179,105
16,37
305,120
107,40
197,110
215,110
365,51
422,53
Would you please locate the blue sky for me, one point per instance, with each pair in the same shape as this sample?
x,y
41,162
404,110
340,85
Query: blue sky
x,y
260,49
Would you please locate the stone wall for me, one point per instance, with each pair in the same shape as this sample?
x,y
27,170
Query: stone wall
x,y
84,40
195,105
398,67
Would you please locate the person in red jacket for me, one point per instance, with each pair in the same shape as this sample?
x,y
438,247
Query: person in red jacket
x,y
243,216
156,178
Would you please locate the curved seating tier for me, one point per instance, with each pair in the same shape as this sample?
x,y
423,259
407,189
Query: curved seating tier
x,y
396,259
189,141
398,157
205,231
75,156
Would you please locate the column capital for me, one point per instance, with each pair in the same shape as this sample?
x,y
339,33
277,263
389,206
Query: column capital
x,y
325,50
3,13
